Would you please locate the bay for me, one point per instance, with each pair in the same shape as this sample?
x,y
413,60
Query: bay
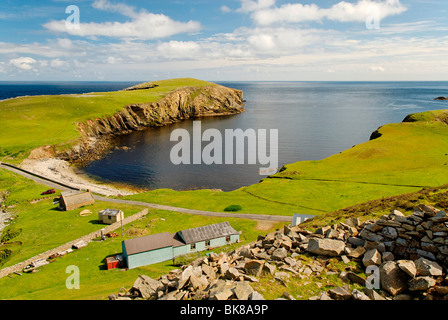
x,y
314,120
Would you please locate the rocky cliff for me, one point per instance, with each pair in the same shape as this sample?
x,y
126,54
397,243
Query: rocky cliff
x,y
182,104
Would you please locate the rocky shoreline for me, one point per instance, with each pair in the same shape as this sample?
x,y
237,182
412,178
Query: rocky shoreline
x,y
98,136
408,256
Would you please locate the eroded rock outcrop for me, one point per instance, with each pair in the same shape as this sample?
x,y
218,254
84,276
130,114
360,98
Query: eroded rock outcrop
x,y
182,104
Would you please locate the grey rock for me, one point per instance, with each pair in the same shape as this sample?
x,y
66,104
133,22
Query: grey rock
x,y
340,293
358,295
269,268
373,295
408,266
421,283
427,267
255,295
353,277
279,254
243,290
327,247
253,267
392,278
147,287
355,241
357,252
372,257
387,256
232,273
370,236
389,232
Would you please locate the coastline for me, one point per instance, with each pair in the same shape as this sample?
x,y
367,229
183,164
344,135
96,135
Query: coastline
x,y
61,171
187,99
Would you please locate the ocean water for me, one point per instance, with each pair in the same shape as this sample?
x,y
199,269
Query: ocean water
x,y
314,120
21,88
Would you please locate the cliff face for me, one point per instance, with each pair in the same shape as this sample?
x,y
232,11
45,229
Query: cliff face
x,y
182,104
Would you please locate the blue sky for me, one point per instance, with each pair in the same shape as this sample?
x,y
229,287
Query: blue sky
x,y
278,40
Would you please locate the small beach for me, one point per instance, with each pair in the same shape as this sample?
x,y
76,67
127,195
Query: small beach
x,y
61,171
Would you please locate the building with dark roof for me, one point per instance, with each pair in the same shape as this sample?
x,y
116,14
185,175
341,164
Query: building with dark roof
x,y
71,200
166,246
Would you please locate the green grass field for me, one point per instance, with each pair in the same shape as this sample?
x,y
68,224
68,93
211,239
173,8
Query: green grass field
x,y
43,228
34,121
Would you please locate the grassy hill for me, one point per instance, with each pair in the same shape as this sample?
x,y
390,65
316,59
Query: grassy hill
x,y
407,157
34,121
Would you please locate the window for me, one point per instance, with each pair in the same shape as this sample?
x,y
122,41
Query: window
x,y
192,246
228,239
207,243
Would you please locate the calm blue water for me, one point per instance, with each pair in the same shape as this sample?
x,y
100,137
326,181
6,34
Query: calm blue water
x,y
314,120
17,89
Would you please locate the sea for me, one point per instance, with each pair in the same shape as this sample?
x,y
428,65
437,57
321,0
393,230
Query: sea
x,y
312,120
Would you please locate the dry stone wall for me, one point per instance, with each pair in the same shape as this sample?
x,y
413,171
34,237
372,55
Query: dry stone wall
x,y
409,255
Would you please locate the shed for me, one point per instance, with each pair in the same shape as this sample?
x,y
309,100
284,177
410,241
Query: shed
x,y
166,246
71,200
109,216
299,218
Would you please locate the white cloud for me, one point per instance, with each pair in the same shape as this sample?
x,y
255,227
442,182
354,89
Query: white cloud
x,y
225,9
342,12
251,5
124,9
143,24
179,49
376,69
24,63
65,43
56,63
113,60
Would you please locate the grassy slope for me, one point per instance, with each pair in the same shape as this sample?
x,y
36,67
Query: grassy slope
x,y
407,157
31,122
43,228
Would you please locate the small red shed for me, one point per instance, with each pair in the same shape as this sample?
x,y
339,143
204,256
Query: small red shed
x,y
112,263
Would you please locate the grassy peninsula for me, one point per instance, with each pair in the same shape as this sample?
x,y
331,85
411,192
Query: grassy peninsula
x,y
34,121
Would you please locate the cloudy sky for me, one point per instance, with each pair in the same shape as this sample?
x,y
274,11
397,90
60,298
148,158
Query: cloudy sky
x,y
279,40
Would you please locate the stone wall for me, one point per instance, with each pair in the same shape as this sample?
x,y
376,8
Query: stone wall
x,y
409,254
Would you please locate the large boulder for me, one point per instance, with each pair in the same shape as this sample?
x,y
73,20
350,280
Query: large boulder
x,y
372,257
243,290
408,266
421,283
340,293
326,247
393,279
147,287
279,254
254,267
427,267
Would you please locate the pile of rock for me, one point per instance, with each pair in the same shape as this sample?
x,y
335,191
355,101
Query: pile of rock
x,y
410,255
217,277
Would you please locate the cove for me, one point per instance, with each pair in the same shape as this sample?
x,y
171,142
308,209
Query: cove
x,y
314,120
